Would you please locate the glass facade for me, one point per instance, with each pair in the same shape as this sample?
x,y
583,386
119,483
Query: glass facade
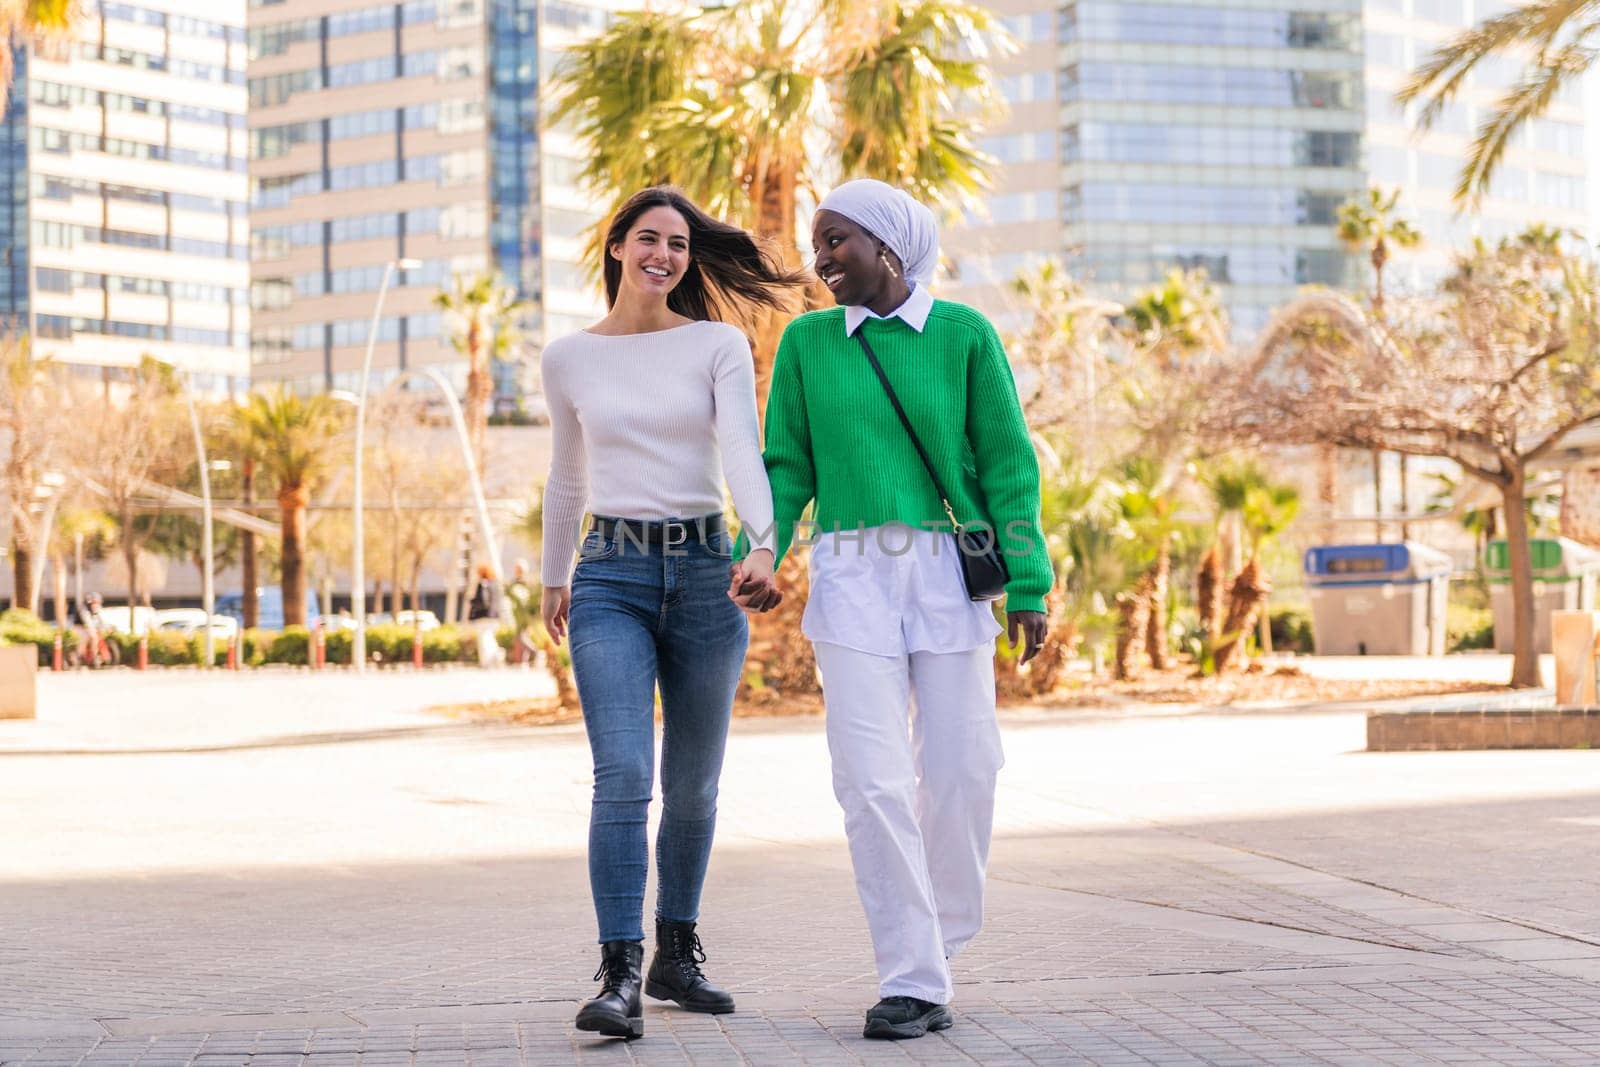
x,y
14,188
514,142
1210,136
1211,26
1217,146
514,231
1191,84
458,171
125,219
1541,178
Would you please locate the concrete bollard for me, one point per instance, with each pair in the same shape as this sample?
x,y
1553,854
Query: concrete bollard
x,y
18,688
1574,636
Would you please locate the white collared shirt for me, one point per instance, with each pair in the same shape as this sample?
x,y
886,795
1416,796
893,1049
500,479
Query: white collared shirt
x,y
914,312
891,590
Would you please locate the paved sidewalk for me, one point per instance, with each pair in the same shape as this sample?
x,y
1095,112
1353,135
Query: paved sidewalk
x,y
375,887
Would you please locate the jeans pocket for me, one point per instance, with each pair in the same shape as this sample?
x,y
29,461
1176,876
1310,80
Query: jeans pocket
x,y
719,545
596,548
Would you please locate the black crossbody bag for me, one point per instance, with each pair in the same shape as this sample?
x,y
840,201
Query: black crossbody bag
x,y
983,568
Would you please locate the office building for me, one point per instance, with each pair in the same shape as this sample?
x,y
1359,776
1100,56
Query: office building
x,y
410,130
1542,178
1225,136
125,207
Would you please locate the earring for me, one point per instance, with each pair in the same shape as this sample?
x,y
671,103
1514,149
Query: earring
x,y
884,255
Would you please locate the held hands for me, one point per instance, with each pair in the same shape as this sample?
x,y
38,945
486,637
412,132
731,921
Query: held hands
x,y
553,608
1032,625
751,584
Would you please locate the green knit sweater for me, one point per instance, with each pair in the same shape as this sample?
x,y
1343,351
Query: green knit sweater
x,y
833,436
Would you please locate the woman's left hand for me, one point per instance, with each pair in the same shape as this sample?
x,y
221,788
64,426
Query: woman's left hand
x,y
1032,625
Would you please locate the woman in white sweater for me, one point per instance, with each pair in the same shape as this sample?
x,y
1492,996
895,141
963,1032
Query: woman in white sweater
x,y
651,408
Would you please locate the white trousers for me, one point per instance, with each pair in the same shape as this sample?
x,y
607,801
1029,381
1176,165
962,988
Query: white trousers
x,y
916,752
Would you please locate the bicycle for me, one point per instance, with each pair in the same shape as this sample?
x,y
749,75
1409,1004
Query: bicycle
x,y
94,649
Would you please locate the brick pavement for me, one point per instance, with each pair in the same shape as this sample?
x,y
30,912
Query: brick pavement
x,y
1208,889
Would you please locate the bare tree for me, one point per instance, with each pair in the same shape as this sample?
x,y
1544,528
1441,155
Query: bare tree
x,y
135,431
30,432
1492,370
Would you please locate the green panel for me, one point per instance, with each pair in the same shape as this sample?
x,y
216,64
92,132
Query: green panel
x,y
1546,553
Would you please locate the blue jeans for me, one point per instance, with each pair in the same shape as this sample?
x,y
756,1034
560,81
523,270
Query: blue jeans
x,y
642,616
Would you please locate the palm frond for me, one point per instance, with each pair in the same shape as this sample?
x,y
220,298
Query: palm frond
x,y
1528,99
899,99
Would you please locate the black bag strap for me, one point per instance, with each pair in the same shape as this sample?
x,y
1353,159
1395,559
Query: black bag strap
x,y
883,379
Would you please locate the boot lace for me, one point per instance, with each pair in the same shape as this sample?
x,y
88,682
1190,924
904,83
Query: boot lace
x,y
688,955
612,972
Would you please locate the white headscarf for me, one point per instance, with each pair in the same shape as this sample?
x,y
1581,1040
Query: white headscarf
x,y
893,217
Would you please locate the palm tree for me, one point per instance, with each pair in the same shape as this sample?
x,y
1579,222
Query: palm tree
x,y
1087,532
1147,511
46,22
1370,224
290,435
485,310
1180,319
78,526
737,104
1178,328
1263,509
1552,36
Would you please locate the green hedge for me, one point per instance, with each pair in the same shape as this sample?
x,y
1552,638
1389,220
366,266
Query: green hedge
x,y
1468,628
22,627
387,643
292,646
1291,629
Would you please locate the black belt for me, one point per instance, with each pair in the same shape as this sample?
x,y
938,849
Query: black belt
x,y
667,532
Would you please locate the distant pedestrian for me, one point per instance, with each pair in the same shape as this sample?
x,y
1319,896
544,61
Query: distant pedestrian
x,y
650,409
483,616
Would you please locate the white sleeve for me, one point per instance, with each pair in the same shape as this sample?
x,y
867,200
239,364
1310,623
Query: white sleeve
x,y
733,373
566,490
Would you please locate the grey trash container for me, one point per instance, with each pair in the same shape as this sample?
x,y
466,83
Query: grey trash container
x,y
1378,600
1565,574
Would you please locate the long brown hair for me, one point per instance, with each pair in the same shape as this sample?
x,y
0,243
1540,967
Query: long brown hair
x,y
726,264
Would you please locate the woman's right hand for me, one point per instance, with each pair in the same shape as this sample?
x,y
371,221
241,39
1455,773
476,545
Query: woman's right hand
x,y
752,585
553,607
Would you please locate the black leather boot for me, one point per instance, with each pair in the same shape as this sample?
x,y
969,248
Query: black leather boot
x,y
618,1011
675,972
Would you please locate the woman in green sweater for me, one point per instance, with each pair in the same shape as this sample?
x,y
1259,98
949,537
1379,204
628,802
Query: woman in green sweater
x,y
897,638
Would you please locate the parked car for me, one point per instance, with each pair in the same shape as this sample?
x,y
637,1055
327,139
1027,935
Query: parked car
x,y
422,620
193,621
269,608
117,616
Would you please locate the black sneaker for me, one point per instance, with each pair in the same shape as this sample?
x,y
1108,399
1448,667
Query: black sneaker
x,y
898,1018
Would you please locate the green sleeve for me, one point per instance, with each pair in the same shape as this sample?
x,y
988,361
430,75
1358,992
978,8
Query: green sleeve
x,y
1008,472
790,466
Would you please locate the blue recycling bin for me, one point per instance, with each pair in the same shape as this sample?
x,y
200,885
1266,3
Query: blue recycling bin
x,y
1378,600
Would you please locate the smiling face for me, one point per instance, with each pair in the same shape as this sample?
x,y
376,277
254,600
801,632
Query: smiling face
x,y
655,252
848,260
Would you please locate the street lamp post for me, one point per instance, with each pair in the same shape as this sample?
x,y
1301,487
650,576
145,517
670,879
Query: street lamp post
x,y
208,593
358,560
49,491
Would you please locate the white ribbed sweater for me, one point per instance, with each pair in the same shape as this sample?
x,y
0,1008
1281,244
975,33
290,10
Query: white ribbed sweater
x,y
644,427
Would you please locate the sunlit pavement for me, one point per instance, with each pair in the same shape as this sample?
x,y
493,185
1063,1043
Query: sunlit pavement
x,y
296,870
